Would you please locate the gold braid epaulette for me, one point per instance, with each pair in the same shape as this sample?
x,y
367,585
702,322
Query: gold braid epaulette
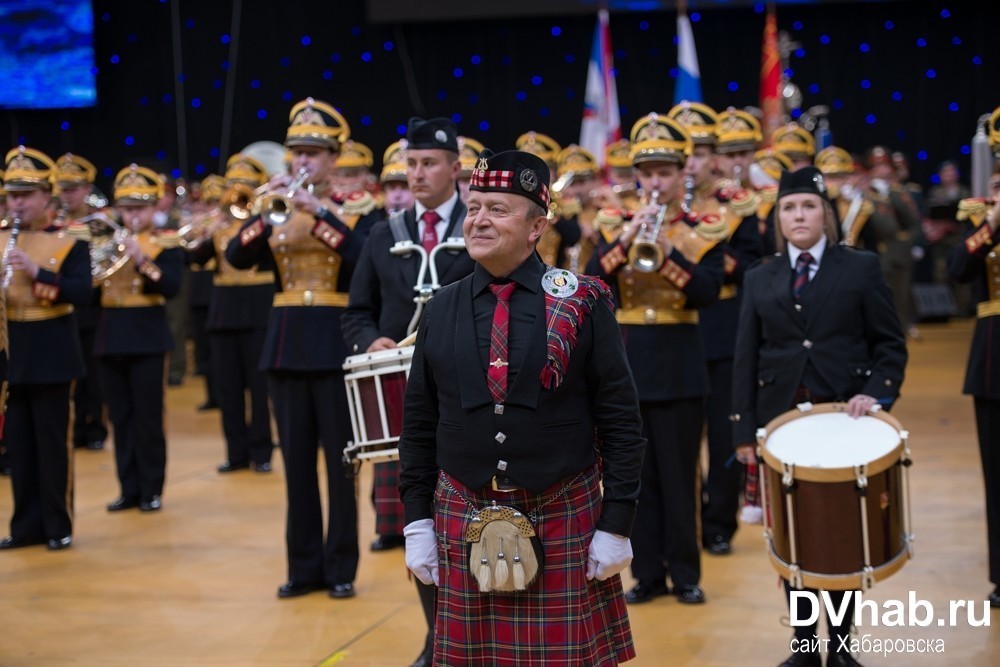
x,y
79,231
712,227
974,209
359,203
166,239
744,203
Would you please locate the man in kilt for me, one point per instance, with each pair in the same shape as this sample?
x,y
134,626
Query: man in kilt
x,y
538,451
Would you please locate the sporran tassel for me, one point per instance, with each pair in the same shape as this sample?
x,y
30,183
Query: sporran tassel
x,y
501,573
483,575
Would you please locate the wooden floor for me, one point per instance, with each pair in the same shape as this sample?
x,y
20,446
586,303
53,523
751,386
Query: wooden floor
x,y
195,584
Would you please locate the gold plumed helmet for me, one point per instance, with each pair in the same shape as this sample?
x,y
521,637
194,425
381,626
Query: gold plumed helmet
x,y
834,161
468,155
659,138
994,129
772,162
212,187
539,144
616,155
794,141
699,120
73,170
576,160
394,163
27,169
315,123
244,169
135,184
737,131
354,154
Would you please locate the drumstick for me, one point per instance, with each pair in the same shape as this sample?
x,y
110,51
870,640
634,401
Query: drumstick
x,y
409,340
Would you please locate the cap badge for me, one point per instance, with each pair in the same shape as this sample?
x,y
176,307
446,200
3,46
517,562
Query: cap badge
x,y
441,136
529,182
560,283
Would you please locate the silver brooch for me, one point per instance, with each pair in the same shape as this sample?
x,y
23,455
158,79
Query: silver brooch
x,y
820,183
529,182
560,283
441,136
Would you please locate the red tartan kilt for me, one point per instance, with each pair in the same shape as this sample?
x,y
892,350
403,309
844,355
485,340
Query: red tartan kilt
x,y
562,619
385,497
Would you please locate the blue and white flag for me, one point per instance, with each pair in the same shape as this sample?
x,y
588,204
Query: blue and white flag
x,y
688,85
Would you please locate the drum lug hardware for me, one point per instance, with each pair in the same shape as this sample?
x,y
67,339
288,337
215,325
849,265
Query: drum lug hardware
x,y
867,578
788,475
795,576
908,539
862,479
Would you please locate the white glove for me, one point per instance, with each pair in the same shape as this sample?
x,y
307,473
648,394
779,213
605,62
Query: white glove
x,y
422,550
881,186
609,554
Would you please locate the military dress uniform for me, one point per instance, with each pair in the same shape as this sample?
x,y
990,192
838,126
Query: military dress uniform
x,y
658,311
313,258
89,423
977,261
131,344
463,444
236,322
565,243
735,209
44,360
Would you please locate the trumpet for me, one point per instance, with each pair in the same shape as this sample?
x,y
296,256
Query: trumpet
x,y
239,199
646,255
276,209
688,193
196,230
8,270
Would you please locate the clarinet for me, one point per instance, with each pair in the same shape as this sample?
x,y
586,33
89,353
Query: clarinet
x,y
15,229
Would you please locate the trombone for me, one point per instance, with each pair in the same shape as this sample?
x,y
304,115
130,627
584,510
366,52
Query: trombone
x,y
646,255
276,209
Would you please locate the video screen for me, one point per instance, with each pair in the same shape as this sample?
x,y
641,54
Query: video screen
x,y
47,54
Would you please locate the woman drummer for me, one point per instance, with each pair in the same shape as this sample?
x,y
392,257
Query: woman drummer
x,y
817,324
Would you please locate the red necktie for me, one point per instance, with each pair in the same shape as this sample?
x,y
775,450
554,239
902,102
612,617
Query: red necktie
x,y
801,274
496,374
429,238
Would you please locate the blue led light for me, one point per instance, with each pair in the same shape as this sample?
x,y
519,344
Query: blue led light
x,y
306,40
797,25
168,98
695,17
921,155
108,171
442,95
870,119
189,24
945,14
366,120
956,40
556,31
401,130
255,83
285,62
866,84
335,57
800,53
216,83
733,86
824,39
758,8
921,42
107,17
133,38
161,154
505,60
64,125
789,72
544,112
897,96
643,25
199,168
355,31
129,140
484,125
196,102
521,96
865,48
456,118
388,46
813,88
224,65
976,60
536,80
175,173
144,101
366,57
838,104
795,113
931,74
475,60
287,96
457,72
114,59
224,39
889,25
673,72
261,114
473,99
570,58
966,150
213,152
953,106
327,74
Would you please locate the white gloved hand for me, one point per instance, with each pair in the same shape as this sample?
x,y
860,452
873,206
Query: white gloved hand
x,y
422,550
881,186
609,554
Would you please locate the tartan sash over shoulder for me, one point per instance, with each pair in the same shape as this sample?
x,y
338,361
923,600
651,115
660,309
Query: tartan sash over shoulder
x,y
564,316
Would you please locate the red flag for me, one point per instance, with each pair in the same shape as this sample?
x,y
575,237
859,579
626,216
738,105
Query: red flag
x,y
770,78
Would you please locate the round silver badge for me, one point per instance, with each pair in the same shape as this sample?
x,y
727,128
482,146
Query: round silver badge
x,y
529,182
441,136
560,283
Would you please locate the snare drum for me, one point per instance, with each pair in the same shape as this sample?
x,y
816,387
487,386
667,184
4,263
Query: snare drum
x,y
836,496
376,384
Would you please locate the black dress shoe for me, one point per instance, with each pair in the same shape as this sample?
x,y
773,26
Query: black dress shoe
x,y
426,659
11,542
690,594
122,503
293,589
644,591
840,659
175,381
342,590
387,542
95,445
150,505
229,466
994,597
58,544
718,546
208,405
803,660
262,467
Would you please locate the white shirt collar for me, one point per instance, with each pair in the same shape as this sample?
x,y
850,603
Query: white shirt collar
x,y
816,251
444,210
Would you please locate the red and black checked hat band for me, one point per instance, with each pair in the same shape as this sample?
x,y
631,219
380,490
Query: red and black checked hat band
x,y
517,172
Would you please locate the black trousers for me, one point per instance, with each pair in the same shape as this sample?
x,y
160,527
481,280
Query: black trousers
x,y
665,537
198,321
988,425
720,492
133,387
310,409
89,424
41,461
234,358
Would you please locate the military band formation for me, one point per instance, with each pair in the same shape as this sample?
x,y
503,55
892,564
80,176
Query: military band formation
x,y
631,310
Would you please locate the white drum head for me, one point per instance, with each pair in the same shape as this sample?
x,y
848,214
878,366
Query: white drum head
x,y
832,440
398,357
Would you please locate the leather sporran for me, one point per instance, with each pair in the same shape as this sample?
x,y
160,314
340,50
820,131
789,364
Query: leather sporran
x,y
506,554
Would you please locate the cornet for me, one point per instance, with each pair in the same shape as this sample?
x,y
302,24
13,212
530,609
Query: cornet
x,y
276,209
646,255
